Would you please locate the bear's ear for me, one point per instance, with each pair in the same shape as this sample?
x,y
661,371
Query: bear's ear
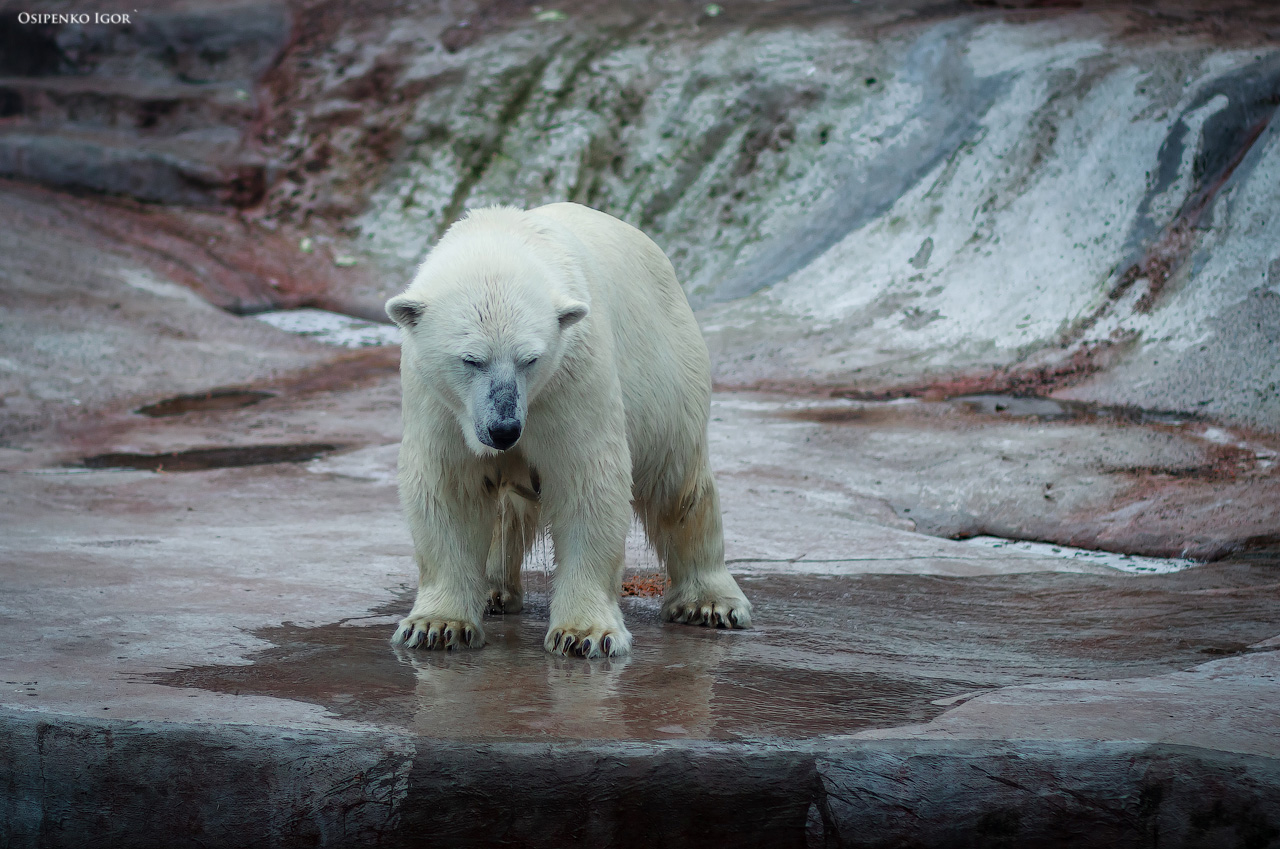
x,y
405,311
571,313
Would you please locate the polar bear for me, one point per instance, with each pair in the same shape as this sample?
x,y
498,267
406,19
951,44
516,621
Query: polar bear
x,y
554,378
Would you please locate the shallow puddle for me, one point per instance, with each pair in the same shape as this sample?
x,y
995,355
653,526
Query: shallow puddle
x,y
680,682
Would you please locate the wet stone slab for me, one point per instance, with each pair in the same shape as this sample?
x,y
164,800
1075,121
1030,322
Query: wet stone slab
x,y
831,655
812,729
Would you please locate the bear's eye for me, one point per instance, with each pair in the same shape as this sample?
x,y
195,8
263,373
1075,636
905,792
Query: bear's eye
x,y
473,362
529,362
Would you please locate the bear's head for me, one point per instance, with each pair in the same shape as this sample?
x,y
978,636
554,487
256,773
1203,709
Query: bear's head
x,y
485,324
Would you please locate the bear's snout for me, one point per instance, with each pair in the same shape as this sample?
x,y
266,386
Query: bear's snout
x,y
504,434
504,420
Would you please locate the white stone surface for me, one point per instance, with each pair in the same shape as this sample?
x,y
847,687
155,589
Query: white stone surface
x,y
332,328
1130,563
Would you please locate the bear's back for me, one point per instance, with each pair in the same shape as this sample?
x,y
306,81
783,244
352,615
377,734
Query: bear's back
x,y
660,355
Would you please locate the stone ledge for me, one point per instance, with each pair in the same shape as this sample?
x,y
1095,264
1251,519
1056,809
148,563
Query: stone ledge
x,y
72,781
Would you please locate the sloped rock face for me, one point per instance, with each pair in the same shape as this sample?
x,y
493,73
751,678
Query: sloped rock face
x,y
722,141
870,200
1107,212
864,200
873,202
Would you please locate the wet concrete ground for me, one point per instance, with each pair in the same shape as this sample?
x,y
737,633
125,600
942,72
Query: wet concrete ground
x,y
219,628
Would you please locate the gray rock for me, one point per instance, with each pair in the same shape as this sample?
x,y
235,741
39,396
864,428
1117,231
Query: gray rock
x,y
190,171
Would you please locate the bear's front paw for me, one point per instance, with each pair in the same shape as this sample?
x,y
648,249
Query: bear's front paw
x,y
711,611
504,601
428,633
588,641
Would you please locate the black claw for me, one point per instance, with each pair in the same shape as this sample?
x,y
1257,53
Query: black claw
x,y
607,645
586,647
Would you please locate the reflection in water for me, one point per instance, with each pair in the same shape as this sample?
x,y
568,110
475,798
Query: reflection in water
x,y
514,689
680,682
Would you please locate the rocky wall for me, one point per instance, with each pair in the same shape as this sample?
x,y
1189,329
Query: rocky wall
x,y
864,203
870,200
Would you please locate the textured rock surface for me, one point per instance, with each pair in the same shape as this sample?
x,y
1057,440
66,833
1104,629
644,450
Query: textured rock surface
x,y
871,200
204,655
92,321
879,199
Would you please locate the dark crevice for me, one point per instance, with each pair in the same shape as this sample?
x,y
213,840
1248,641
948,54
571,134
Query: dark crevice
x,y
1016,406
203,459
218,399
11,102
241,308
28,50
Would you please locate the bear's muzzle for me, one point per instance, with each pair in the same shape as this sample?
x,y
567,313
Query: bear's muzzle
x,y
504,434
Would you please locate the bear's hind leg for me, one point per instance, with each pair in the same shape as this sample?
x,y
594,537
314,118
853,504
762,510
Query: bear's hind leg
x,y
513,535
686,532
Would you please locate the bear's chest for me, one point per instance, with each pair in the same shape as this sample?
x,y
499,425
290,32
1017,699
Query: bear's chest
x,y
511,474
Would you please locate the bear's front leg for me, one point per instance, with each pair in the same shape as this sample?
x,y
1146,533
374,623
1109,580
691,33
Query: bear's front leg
x,y
589,536
450,546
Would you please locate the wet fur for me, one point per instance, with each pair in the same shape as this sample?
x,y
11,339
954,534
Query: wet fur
x,y
615,417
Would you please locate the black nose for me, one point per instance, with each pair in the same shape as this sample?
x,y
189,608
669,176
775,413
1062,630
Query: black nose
x,y
504,434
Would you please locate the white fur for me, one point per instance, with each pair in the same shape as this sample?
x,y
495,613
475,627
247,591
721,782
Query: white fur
x,y
570,326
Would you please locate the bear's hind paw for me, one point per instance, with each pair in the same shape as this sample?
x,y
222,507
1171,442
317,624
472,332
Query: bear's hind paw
x,y
719,613
504,601
420,632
